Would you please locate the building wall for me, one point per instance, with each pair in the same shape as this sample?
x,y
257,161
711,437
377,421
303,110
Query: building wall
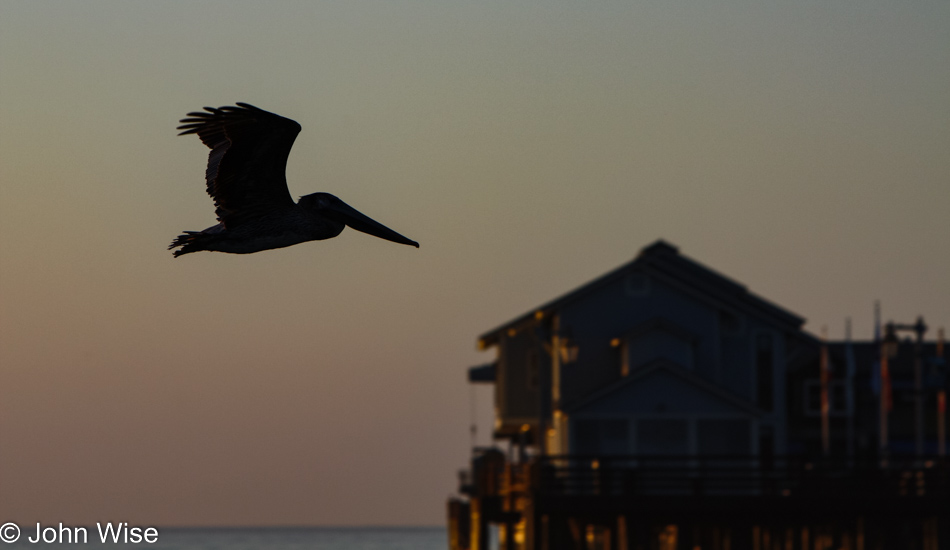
x,y
623,323
725,349
613,310
660,413
720,355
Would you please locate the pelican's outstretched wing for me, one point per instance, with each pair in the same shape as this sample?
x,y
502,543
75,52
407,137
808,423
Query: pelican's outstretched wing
x,y
249,150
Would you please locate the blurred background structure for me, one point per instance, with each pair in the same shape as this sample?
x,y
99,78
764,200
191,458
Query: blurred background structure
x,y
664,405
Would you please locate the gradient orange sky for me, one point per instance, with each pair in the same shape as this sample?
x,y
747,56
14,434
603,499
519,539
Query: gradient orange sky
x,y
800,148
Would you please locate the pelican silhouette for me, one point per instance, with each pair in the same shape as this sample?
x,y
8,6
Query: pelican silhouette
x,y
245,177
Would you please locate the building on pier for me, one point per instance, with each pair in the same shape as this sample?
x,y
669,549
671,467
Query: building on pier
x,y
664,405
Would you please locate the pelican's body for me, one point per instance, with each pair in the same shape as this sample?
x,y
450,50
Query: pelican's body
x,y
292,227
245,177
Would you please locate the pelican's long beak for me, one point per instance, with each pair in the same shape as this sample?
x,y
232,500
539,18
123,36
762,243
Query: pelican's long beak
x,y
345,213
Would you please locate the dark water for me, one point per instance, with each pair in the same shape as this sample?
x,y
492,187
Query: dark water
x,y
267,538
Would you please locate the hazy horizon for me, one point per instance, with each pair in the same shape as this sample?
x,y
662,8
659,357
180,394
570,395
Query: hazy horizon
x,y
799,149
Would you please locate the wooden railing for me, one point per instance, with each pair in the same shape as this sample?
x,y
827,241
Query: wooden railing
x,y
740,475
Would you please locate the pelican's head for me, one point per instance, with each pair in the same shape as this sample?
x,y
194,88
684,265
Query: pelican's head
x,y
333,208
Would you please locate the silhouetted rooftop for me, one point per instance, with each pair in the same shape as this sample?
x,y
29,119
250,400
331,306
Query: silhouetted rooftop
x,y
663,260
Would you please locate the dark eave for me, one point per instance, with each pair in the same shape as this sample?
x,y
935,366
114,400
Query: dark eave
x,y
482,374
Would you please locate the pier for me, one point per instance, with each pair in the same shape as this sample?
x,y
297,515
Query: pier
x,y
665,406
737,503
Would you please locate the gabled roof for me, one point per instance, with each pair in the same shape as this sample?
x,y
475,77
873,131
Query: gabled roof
x,y
663,260
676,370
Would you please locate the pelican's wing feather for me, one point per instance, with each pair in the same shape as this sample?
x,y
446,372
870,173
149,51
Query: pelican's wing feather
x,y
249,150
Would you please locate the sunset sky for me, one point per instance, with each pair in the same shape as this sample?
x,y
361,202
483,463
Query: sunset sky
x,y
801,148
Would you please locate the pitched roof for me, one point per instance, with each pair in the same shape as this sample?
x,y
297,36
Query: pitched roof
x,y
663,260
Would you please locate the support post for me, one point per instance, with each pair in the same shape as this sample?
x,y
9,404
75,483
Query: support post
x,y
941,403
920,328
479,527
545,360
825,405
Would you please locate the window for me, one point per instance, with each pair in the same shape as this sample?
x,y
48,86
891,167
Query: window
x,y
838,396
764,371
723,437
766,446
533,370
601,436
586,438
614,436
662,436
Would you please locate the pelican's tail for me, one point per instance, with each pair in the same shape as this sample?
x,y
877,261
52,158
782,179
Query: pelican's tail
x,y
189,241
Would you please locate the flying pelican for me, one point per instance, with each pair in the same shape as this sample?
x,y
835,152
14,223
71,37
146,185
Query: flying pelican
x,y
249,150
